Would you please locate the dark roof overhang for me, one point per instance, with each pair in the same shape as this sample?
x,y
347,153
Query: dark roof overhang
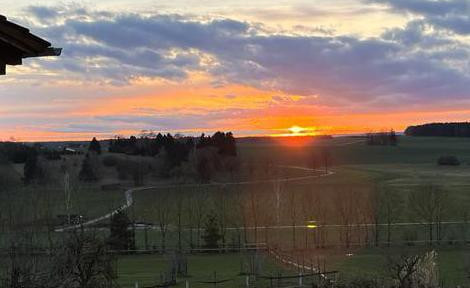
x,y
17,43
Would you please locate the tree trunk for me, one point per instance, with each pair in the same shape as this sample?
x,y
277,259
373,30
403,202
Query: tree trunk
x,y
198,235
430,233
179,233
376,234
146,238
163,232
389,234
191,244
293,236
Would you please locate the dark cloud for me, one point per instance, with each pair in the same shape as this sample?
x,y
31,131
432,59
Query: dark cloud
x,y
43,13
452,15
407,63
428,7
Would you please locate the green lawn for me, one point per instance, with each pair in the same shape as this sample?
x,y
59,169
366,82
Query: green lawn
x,y
147,269
373,263
359,169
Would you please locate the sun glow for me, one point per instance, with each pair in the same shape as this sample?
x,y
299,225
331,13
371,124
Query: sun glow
x,y
296,130
296,136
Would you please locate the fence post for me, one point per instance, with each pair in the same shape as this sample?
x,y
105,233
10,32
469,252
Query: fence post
x,y
136,285
300,280
247,281
187,284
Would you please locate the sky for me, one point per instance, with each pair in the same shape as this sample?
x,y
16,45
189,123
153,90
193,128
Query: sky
x,y
250,67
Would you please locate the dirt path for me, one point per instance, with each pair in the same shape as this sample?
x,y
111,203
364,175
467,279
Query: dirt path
x,y
130,200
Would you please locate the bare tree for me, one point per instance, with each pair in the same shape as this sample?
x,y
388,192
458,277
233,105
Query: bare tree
x,y
242,209
221,212
254,211
391,206
84,259
321,211
308,212
199,212
189,206
410,271
81,261
267,217
179,217
293,215
314,160
163,212
403,269
429,203
345,206
326,157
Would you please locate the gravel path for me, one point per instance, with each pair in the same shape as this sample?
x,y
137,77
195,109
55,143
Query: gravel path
x,y
130,200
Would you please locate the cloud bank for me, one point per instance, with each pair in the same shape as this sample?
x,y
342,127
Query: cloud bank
x,y
423,64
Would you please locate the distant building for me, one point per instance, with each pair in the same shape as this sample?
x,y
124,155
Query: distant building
x,y
17,43
71,151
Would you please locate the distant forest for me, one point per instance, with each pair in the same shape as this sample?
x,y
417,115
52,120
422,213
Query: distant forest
x,y
456,129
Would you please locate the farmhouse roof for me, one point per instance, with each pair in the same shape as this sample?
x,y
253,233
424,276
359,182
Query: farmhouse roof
x,y
17,43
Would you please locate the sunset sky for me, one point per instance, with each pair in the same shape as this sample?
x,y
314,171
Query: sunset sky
x,y
251,67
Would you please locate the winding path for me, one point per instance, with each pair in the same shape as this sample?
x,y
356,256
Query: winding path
x,y
130,200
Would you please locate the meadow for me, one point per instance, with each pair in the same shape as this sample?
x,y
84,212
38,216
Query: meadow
x,y
280,189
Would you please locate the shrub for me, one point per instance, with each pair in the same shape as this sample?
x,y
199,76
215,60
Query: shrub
x,y
448,160
211,232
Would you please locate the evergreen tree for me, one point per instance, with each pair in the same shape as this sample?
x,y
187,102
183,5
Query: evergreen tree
x,y
121,237
393,138
32,171
94,146
211,233
87,172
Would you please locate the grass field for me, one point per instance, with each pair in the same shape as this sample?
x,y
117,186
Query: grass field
x,y
373,263
147,269
359,171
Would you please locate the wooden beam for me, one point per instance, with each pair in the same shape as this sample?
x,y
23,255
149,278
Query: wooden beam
x,y
10,55
16,43
22,36
21,45
51,51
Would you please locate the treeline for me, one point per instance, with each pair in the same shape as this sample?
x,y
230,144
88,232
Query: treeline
x,y
19,153
15,152
176,150
382,138
166,155
32,156
453,129
223,142
150,145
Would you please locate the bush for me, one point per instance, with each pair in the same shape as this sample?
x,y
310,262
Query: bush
x,y
448,161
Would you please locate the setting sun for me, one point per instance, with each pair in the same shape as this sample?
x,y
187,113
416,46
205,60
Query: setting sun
x,y
296,130
223,140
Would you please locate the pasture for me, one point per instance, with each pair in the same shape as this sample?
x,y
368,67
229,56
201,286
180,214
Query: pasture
x,y
272,199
